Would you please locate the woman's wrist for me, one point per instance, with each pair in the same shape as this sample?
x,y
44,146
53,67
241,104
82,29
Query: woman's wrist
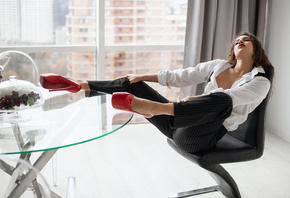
x,y
142,78
148,77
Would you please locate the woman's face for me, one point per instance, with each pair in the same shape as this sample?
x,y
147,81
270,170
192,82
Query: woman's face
x,y
243,47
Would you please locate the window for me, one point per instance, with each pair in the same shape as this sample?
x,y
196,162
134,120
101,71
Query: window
x,y
83,39
83,29
83,20
63,36
84,66
140,2
149,12
140,11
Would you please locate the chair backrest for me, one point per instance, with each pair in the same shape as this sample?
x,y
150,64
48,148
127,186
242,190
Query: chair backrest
x,y
252,130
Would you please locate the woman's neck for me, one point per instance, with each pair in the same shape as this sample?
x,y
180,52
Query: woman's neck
x,y
243,66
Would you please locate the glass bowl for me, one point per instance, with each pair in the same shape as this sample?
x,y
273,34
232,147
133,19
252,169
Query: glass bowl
x,y
17,95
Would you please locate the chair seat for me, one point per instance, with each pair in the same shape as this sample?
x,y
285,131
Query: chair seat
x,y
228,149
228,142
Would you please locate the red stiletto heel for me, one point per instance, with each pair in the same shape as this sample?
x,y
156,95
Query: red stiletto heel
x,y
123,100
55,82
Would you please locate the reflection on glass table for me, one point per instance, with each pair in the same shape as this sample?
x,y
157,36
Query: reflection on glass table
x,y
64,120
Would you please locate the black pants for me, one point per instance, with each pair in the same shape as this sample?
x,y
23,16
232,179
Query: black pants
x,y
196,125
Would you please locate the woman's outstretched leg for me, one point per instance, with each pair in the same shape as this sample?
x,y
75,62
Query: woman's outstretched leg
x,y
139,89
109,86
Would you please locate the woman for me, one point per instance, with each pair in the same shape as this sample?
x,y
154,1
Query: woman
x,y
234,89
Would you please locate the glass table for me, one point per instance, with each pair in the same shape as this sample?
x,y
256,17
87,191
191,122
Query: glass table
x,y
64,120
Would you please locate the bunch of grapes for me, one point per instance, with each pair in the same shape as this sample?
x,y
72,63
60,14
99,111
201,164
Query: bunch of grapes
x,y
8,102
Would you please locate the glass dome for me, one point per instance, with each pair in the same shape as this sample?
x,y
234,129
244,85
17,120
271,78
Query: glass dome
x,y
20,64
19,83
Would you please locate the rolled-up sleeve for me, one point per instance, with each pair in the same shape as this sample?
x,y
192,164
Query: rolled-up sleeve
x,y
188,76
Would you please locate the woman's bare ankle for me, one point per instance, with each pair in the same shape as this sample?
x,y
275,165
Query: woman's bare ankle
x,y
141,105
145,106
84,84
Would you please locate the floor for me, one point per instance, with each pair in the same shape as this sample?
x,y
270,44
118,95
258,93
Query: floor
x,y
136,162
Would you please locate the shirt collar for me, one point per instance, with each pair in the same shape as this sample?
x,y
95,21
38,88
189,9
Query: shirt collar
x,y
255,71
249,75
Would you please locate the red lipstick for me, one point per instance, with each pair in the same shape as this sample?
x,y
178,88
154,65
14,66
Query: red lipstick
x,y
241,45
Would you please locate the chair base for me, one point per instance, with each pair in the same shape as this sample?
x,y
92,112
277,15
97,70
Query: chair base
x,y
195,192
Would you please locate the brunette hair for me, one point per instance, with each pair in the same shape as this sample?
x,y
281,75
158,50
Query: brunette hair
x,y
260,57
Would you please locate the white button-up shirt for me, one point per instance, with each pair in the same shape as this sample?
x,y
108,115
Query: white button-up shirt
x,y
246,93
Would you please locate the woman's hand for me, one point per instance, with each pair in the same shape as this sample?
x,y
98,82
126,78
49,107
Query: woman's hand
x,y
133,78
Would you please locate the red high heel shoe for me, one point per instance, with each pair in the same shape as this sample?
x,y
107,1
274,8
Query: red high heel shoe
x,y
55,82
123,100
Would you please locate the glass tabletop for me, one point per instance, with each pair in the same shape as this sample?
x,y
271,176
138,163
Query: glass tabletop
x,y
65,119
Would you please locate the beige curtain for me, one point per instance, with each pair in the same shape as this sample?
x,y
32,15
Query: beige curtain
x,y
213,24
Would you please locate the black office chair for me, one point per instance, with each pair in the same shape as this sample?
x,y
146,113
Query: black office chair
x,y
244,144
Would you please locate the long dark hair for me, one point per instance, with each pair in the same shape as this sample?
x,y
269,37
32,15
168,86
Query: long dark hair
x,y
260,57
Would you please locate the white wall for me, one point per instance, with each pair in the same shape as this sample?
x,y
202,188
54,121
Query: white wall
x,y
278,50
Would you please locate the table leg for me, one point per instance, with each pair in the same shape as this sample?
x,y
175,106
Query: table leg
x,y
54,169
14,178
31,175
15,172
20,182
17,134
7,168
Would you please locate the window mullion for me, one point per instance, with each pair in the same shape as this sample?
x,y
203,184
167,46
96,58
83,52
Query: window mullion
x,y
100,35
